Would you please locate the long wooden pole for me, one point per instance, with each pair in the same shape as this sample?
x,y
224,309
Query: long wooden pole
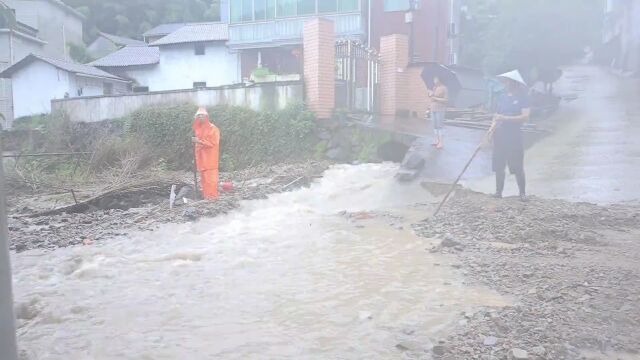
x,y
455,183
45,154
195,173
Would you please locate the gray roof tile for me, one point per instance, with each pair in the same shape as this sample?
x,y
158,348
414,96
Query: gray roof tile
x,y
196,33
80,69
130,56
123,41
164,29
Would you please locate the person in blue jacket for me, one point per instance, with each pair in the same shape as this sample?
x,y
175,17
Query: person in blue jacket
x,y
512,110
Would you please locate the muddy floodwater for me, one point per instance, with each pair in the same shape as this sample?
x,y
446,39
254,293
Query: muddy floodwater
x,y
333,271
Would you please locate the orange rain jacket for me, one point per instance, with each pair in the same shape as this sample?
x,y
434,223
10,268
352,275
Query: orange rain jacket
x,y
207,154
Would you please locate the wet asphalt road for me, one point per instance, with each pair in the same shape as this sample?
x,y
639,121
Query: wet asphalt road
x,y
593,154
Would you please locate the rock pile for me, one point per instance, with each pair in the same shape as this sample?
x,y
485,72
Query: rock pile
x,y
571,270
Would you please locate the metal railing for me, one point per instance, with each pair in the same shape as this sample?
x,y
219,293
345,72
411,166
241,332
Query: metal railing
x,y
357,70
289,30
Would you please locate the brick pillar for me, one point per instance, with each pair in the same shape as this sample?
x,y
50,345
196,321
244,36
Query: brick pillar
x,y
418,93
319,66
394,59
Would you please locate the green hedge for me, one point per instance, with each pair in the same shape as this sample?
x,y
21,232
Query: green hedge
x,y
247,137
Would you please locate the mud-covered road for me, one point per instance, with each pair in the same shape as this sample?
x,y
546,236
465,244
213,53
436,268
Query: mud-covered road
x,y
593,154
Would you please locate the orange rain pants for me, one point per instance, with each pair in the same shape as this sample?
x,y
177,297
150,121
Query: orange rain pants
x,y
207,154
209,180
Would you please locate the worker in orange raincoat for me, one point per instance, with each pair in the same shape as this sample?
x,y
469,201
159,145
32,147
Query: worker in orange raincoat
x,y
207,151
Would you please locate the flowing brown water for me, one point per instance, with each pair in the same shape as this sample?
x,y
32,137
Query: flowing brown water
x,y
290,277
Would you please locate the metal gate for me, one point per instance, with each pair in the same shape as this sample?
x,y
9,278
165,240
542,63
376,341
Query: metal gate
x,y
356,76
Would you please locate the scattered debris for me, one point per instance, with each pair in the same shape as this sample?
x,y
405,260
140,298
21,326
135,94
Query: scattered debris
x,y
190,214
490,341
124,196
141,205
569,268
481,120
519,354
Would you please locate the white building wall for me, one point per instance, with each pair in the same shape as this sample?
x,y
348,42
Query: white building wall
x,y
21,47
5,84
257,97
55,25
90,86
35,85
12,49
5,58
26,11
179,67
6,106
143,75
121,88
38,83
73,29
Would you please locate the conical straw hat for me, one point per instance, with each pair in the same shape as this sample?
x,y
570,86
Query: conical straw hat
x,y
513,75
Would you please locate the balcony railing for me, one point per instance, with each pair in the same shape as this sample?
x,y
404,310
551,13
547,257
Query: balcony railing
x,y
289,30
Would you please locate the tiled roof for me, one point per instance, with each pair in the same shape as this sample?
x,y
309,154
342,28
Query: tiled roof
x,y
71,67
123,41
196,33
130,56
164,29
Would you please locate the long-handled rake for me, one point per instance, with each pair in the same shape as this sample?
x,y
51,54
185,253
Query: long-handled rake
x,y
486,138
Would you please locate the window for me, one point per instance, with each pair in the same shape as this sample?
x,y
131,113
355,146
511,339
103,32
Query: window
x,y
107,88
396,5
236,10
260,9
140,89
199,84
198,49
247,10
327,6
331,6
306,7
271,9
347,5
286,8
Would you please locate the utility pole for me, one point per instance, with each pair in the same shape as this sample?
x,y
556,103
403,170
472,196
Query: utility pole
x,y
8,347
409,18
436,40
453,29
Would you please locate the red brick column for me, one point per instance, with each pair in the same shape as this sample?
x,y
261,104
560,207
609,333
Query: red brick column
x,y
417,92
394,58
319,66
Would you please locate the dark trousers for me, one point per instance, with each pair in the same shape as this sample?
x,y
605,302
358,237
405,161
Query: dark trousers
x,y
520,178
508,151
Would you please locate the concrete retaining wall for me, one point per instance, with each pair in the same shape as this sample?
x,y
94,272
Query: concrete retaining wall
x,y
264,96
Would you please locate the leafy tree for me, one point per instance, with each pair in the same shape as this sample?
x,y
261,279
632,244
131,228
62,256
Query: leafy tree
x,y
79,53
533,36
131,18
